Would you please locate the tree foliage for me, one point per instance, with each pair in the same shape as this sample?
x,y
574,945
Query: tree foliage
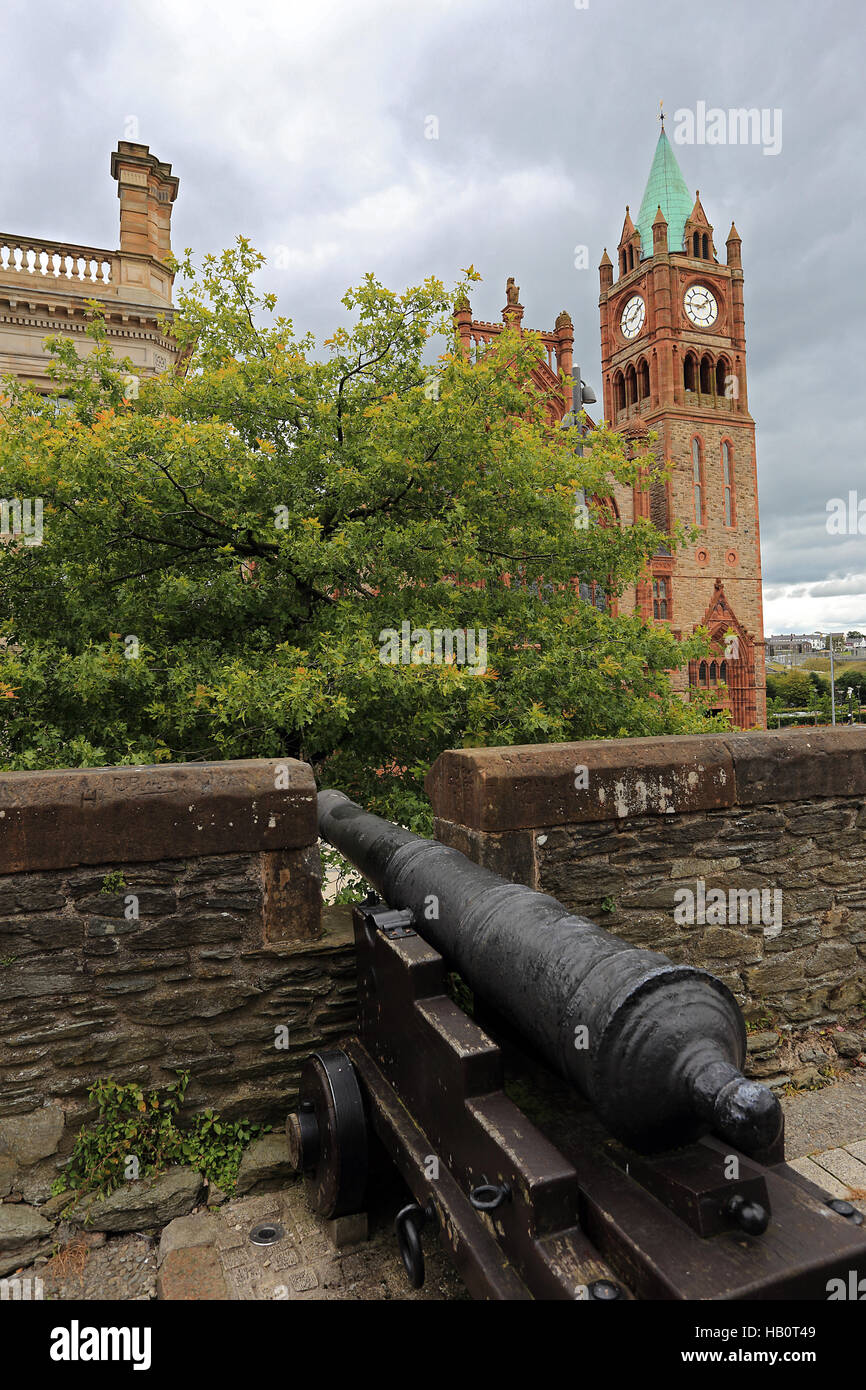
x,y
222,552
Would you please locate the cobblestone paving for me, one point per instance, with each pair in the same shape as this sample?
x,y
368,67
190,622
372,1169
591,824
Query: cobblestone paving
x,y
302,1265
826,1138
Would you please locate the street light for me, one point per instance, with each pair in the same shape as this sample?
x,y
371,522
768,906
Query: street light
x,y
581,395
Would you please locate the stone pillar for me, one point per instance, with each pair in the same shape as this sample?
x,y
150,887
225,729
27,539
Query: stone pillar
x,y
463,324
146,189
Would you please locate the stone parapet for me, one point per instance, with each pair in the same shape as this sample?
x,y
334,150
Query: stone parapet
x,y
763,834
157,919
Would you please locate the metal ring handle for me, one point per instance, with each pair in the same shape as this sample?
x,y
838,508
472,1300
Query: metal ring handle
x,y
407,1225
489,1195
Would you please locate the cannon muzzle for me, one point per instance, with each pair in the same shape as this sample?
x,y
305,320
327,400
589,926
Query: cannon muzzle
x,y
656,1048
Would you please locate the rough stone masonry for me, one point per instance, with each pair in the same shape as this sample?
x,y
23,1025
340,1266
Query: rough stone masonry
x,y
618,829
155,919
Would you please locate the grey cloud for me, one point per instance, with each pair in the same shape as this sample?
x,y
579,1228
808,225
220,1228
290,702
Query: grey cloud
x,y
302,126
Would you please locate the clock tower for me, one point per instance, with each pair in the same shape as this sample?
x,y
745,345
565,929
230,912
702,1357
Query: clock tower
x,y
673,353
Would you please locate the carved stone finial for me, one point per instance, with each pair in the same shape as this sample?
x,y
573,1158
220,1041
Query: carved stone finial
x,y
564,319
636,428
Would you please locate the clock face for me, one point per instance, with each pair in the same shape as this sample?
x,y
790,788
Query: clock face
x,y
700,305
633,316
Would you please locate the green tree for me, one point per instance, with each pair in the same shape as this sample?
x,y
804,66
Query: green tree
x,y
796,689
224,555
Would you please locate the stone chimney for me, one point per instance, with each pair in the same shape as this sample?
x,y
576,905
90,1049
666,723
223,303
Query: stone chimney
x,y
146,189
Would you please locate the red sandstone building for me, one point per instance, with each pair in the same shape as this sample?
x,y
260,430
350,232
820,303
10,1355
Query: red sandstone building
x,y
673,355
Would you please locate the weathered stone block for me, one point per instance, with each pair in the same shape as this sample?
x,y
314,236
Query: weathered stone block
x,y
27,1138
192,1274
292,894
830,956
136,1206
782,972
115,815
265,1163
185,1232
20,1225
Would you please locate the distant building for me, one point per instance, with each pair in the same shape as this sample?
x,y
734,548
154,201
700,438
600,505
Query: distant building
x,y
44,285
791,644
673,348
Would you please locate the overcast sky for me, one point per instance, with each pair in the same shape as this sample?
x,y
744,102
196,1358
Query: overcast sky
x,y
305,124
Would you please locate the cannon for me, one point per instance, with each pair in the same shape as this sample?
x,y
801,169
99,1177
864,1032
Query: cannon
x,y
587,1133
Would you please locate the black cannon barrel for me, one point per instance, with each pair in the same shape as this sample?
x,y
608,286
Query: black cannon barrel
x,y
657,1048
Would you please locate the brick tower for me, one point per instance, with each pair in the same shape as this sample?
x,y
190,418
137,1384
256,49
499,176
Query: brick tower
x,y
673,354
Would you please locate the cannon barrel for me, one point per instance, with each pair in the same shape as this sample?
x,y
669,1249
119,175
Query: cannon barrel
x,y
655,1047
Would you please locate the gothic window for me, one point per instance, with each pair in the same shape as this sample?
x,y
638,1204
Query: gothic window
x,y
706,375
643,379
689,372
618,393
723,673
622,261
661,594
702,673
728,483
593,593
630,385
696,244
698,481
705,246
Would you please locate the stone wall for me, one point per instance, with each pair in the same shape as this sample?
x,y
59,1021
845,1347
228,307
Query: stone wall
x,y
617,829
155,919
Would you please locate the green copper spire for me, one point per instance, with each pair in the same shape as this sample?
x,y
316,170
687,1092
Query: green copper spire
x,y
665,189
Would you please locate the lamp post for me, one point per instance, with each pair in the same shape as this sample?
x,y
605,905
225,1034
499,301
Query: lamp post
x,y
833,675
581,395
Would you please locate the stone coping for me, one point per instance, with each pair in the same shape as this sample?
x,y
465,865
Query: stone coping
x,y
535,785
104,815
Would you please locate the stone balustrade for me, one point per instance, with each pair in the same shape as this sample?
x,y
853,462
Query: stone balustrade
x,y
58,260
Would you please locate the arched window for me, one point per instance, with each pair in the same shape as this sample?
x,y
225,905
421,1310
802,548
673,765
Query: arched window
x,y
630,385
728,484
723,673
689,372
696,244
618,393
594,593
706,375
622,262
660,597
643,379
702,673
631,258
705,246
713,673
722,374
698,480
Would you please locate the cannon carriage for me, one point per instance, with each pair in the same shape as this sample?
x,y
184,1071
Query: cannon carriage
x,y
587,1133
